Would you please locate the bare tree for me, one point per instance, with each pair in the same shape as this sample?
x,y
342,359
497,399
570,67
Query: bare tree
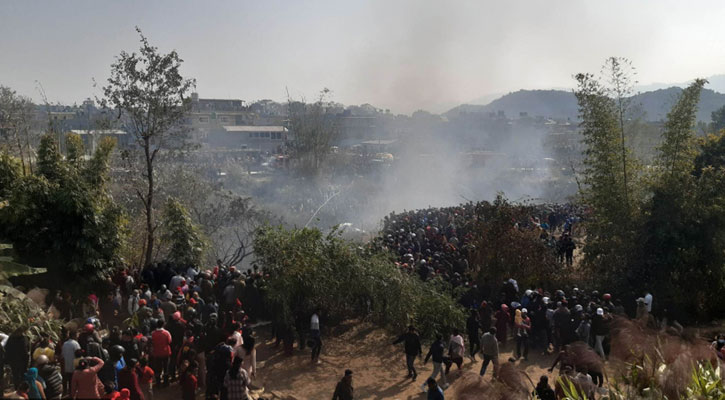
x,y
16,121
313,129
151,98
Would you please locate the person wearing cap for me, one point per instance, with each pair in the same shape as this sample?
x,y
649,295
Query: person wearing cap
x,y
344,389
52,377
599,330
522,325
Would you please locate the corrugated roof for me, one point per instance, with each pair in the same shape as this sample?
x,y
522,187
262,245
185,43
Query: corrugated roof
x,y
98,131
254,128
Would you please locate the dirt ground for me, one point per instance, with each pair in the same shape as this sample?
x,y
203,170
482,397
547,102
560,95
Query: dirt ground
x,y
379,370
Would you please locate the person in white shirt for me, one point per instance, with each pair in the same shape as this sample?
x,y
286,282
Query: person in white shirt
x,y
68,352
648,302
315,337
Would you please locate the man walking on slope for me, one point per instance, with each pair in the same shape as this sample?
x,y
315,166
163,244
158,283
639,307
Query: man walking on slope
x,y
436,351
489,345
412,349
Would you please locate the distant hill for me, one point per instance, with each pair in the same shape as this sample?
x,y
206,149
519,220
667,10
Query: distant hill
x,y
560,104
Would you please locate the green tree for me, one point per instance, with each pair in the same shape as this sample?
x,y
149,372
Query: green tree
x,y
612,226
152,98
60,219
718,120
10,174
309,270
185,241
711,152
684,231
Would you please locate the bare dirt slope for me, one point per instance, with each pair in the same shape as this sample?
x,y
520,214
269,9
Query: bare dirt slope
x,y
378,366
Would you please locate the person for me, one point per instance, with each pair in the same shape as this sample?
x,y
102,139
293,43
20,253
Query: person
x,y
161,351
522,323
249,357
128,379
113,365
489,348
85,382
456,348
44,349
315,337
434,391
52,377
412,348
599,330
236,381
648,302
189,382
68,351
502,323
344,389
17,354
472,329
436,352
543,390
36,387
145,379
21,392
584,329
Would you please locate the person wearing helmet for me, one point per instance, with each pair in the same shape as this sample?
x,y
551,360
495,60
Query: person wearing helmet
x,y
109,371
52,377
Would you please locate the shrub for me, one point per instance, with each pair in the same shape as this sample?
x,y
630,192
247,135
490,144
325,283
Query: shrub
x,y
309,270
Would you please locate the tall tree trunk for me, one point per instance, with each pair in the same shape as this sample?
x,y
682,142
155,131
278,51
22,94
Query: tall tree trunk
x,y
149,204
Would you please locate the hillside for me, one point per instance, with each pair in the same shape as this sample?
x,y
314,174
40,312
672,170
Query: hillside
x,y
560,104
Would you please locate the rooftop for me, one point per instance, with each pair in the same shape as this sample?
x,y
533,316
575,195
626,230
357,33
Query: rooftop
x,y
255,128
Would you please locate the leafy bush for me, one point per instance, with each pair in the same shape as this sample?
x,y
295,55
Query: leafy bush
x,y
308,270
17,311
185,241
62,217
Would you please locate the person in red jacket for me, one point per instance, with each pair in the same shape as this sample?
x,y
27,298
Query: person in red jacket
x,y
161,351
127,379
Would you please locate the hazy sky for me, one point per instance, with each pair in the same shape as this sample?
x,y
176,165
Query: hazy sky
x,y
402,55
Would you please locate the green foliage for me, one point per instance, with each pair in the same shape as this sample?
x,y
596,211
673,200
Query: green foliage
x,y
23,313
711,154
611,195
684,233
185,241
152,99
677,152
706,383
504,250
718,120
60,220
308,270
10,173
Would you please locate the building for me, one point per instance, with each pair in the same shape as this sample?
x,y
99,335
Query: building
x,y
262,138
208,115
92,137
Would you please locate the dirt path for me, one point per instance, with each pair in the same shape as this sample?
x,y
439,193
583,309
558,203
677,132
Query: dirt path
x,y
378,366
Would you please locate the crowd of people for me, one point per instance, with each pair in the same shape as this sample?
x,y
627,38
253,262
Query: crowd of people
x,y
179,324
439,241
574,328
